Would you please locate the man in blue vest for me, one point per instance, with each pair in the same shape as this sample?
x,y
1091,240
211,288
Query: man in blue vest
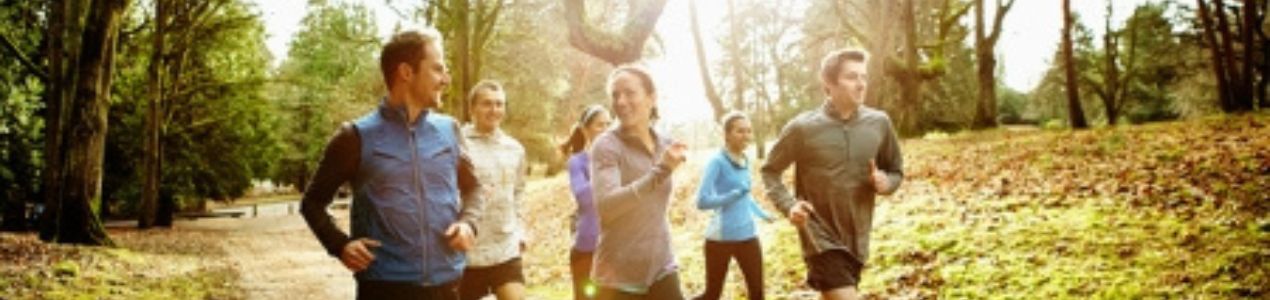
x,y
407,169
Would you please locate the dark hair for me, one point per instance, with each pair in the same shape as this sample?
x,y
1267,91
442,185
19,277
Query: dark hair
x,y
646,80
832,63
730,118
408,48
577,140
488,85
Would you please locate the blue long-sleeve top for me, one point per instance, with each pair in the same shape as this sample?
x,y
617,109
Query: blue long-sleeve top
x,y
725,188
587,229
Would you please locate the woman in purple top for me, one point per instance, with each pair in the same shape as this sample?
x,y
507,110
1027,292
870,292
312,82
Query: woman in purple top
x,y
587,229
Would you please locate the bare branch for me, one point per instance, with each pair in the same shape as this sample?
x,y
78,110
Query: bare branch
x,y
31,66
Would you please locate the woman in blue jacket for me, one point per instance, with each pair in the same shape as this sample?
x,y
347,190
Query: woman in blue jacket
x,y
725,189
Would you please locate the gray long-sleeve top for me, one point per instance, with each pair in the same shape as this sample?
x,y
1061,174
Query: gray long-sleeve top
x,y
831,157
632,197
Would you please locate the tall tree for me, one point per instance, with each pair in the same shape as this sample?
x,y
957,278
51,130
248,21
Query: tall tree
x,y
1076,114
468,26
712,94
151,161
1233,70
985,58
77,221
1234,77
1250,25
1117,69
61,51
328,77
1215,53
624,46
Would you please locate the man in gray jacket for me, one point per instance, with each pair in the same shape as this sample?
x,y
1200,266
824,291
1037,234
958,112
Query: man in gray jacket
x,y
844,154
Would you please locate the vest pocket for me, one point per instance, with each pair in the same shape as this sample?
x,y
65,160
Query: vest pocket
x,y
398,211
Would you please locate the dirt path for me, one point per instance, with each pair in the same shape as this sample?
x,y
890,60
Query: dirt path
x,y
278,258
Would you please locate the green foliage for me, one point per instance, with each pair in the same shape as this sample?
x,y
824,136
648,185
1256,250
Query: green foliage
x,y
761,68
1159,64
1010,106
949,103
546,87
1165,72
946,67
1049,99
21,133
527,63
330,76
21,122
218,131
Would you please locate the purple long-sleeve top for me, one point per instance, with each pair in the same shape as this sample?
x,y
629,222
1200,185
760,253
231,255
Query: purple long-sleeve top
x,y
587,228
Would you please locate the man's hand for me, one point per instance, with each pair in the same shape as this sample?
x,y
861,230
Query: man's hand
x,y
880,183
461,237
675,155
800,212
356,255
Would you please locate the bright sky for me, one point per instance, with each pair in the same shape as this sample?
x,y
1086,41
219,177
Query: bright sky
x,y
1031,35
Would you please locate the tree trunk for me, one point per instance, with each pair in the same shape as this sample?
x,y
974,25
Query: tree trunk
x,y
909,81
151,172
738,69
50,177
1214,47
1235,81
14,211
987,63
985,57
614,48
462,56
63,51
166,209
1076,114
1249,44
1263,69
712,95
79,225
1110,98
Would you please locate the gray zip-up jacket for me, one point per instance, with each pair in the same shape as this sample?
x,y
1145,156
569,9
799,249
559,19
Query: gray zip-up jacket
x,y
831,157
632,196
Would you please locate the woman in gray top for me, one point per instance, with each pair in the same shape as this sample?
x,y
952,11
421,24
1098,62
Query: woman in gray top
x,y
631,168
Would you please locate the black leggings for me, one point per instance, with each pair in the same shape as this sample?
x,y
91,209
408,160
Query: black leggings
x,y
580,266
666,288
748,254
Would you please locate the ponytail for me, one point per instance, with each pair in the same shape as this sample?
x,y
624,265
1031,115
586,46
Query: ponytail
x,y
576,142
577,139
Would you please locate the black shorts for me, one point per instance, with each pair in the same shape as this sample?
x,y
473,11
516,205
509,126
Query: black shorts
x,y
390,290
478,282
833,269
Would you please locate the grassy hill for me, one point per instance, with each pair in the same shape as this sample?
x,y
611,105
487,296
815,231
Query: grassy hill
x,y
1169,210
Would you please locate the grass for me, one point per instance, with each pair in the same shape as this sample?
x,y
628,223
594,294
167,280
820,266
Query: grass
x,y
1158,211
145,266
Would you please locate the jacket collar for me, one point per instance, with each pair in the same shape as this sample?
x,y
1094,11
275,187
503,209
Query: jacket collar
x,y
832,112
397,113
631,140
